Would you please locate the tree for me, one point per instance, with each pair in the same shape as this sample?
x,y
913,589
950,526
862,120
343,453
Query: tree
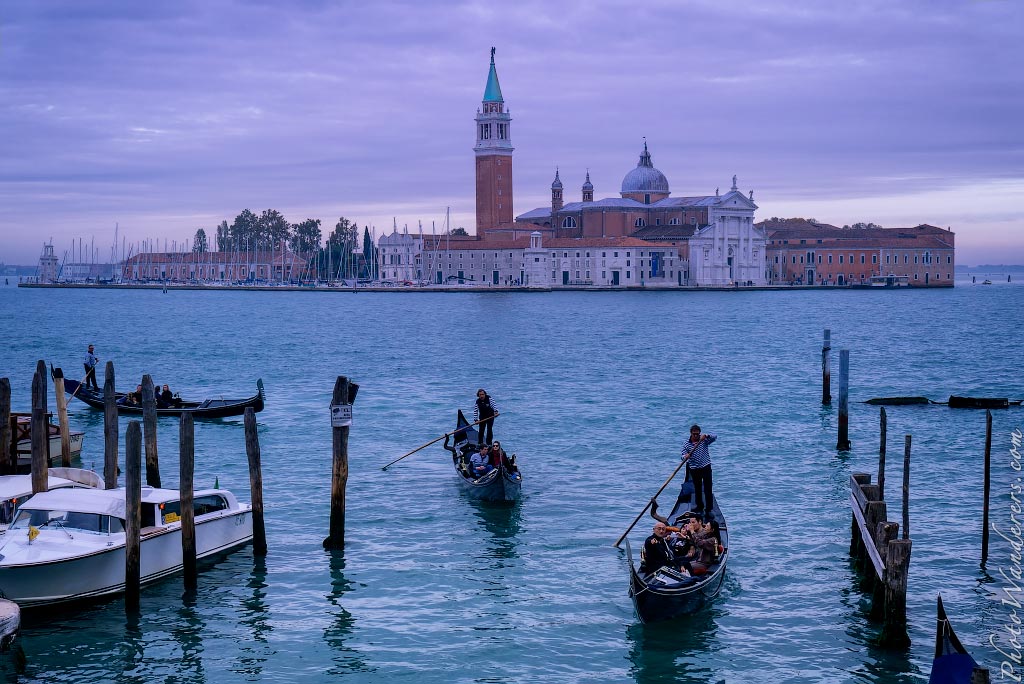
x,y
223,237
339,255
199,245
273,230
369,254
459,231
306,236
244,231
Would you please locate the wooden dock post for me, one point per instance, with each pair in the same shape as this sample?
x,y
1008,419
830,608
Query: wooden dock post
x,y
882,422
186,439
252,450
62,418
133,516
906,488
843,443
344,395
897,567
6,437
110,433
40,435
826,370
149,427
988,478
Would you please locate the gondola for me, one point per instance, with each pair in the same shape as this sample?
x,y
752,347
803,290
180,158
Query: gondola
x,y
503,483
952,664
209,408
667,594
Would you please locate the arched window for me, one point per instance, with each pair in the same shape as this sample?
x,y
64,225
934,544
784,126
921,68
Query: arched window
x,y
569,222
640,223
674,222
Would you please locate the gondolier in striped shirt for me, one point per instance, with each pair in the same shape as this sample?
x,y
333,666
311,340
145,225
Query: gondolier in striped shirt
x,y
484,407
695,452
90,368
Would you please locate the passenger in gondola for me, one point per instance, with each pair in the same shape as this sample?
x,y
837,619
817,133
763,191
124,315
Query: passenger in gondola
x,y
168,400
480,462
498,455
484,409
657,553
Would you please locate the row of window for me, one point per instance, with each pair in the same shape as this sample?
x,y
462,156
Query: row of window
x,y
926,259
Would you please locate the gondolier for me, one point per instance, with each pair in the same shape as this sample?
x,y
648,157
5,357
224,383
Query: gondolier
x,y
695,452
485,410
90,368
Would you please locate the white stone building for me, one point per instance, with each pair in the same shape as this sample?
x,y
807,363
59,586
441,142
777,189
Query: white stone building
x,y
730,248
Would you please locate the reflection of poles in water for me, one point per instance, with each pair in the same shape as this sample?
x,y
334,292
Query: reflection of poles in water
x,y
189,637
133,652
254,616
346,659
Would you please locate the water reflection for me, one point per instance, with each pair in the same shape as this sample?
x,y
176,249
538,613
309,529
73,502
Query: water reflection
x,y
189,636
670,651
256,619
345,658
501,522
133,651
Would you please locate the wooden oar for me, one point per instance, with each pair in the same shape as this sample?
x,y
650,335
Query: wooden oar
x,y
630,528
434,441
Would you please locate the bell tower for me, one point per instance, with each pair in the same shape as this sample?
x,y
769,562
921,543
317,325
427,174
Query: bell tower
x,y
493,151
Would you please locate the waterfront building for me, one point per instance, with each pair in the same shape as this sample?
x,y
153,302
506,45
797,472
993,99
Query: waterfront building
x,y
47,265
806,252
279,266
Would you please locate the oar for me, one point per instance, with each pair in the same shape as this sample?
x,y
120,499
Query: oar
x,y
433,441
630,528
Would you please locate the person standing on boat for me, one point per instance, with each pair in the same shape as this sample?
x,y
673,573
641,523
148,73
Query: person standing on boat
x,y
90,368
695,452
484,408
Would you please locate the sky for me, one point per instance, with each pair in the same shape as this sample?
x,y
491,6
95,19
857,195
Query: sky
x,y
163,117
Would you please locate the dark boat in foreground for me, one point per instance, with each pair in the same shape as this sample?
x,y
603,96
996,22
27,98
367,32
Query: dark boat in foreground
x,y
503,483
952,664
209,408
666,593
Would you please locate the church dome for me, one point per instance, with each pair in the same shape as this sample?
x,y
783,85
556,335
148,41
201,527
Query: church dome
x,y
645,178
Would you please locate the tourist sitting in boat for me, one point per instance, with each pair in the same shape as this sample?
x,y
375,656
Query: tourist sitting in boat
x,y
480,462
704,551
498,455
167,399
132,398
657,553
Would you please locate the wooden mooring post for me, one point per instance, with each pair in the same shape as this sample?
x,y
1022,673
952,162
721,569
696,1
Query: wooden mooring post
x,y
40,434
149,429
988,478
882,423
62,417
826,370
6,434
843,443
906,487
186,477
110,432
882,558
252,451
133,516
341,420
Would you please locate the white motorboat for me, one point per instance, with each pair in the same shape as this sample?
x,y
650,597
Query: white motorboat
x,y
69,544
16,488
23,436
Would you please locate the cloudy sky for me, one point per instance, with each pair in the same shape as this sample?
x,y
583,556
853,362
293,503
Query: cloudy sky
x,y
163,117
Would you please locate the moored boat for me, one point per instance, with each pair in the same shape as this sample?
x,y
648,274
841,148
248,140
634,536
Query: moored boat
x,y
503,482
952,663
69,544
14,489
208,408
23,438
666,593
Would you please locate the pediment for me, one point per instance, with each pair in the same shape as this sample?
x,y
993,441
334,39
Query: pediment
x,y
734,199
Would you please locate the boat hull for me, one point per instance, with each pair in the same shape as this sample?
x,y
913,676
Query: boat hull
x,y
25,448
101,572
211,408
497,485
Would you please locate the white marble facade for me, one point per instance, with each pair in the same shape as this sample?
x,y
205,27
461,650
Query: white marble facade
x,y
730,249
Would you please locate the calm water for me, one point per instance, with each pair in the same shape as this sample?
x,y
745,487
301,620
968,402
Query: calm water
x,y
596,390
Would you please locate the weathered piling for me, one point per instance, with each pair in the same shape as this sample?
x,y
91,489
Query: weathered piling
x,y
133,515
881,452
341,420
826,370
110,436
62,417
40,435
988,478
186,439
149,426
843,443
252,450
882,558
906,487
7,448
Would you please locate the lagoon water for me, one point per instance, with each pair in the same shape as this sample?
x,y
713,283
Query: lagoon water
x,y
596,392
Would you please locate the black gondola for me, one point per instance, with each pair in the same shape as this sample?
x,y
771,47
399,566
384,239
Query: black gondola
x,y
503,483
210,408
952,664
665,593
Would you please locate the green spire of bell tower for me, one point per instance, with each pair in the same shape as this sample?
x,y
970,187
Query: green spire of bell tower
x,y
492,93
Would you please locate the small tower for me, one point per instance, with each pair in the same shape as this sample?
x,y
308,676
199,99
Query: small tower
x,y
556,195
48,264
588,189
493,151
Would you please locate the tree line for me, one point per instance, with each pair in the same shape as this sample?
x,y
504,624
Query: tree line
x,y
342,256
